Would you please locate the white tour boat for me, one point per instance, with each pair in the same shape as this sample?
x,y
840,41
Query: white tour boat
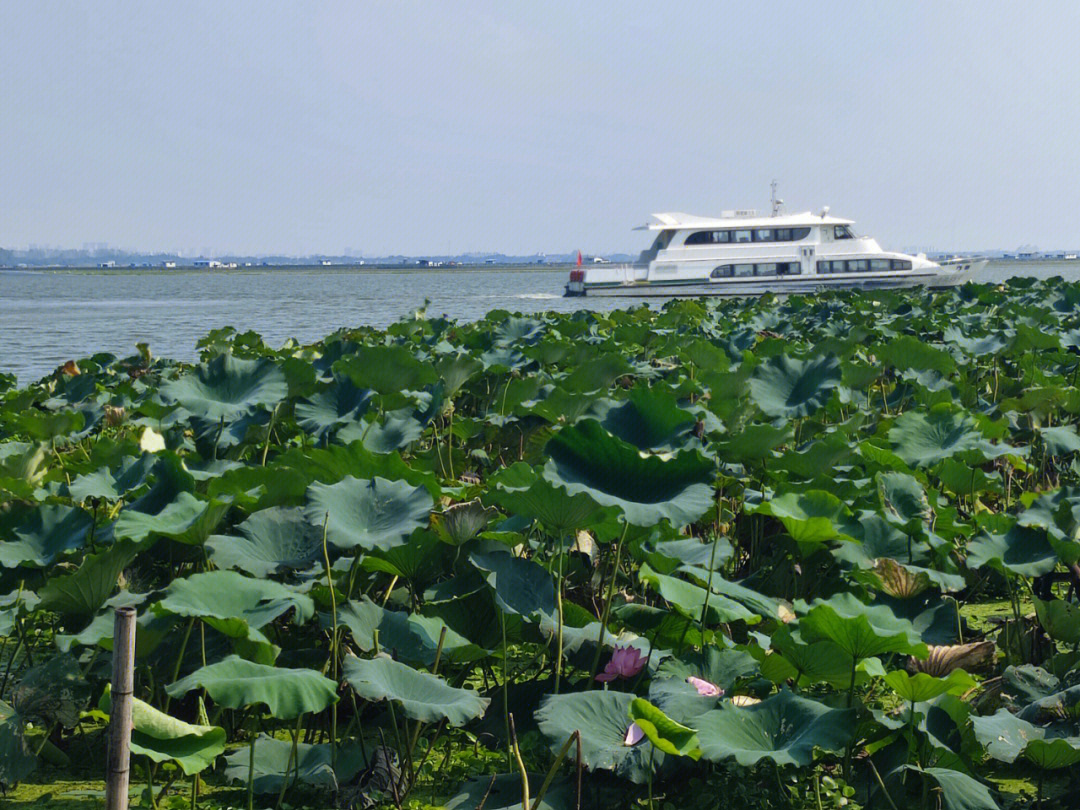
x,y
741,253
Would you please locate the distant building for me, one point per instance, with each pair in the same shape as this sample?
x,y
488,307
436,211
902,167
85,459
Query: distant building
x,y
206,263
106,264
168,264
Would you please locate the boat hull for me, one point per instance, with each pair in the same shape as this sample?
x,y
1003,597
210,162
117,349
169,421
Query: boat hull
x,y
947,275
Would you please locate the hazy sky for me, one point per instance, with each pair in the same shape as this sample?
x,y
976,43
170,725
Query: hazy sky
x,y
431,127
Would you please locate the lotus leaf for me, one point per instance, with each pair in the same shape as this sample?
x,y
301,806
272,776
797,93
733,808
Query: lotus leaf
x,y
368,514
82,592
785,729
923,439
503,792
859,629
272,540
422,696
586,458
407,636
789,388
44,535
521,586
162,738
236,683
187,520
312,764
227,387
602,720
1020,550
663,732
958,790
342,403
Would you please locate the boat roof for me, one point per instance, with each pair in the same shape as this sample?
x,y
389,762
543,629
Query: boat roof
x,y
739,219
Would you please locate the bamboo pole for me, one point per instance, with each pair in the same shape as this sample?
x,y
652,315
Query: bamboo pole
x,y
118,776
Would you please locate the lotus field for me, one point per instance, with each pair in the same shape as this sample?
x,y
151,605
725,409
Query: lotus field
x,y
816,552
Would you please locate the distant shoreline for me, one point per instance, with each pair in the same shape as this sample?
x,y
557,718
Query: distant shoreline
x,y
342,268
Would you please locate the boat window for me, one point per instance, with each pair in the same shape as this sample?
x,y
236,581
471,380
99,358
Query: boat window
x,y
708,238
763,235
724,271
843,232
783,234
799,233
901,264
858,265
789,268
765,270
880,264
742,236
744,269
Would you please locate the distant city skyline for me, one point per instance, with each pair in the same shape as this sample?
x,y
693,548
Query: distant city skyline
x,y
438,129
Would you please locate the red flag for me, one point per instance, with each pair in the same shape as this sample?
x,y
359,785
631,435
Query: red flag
x,y
579,258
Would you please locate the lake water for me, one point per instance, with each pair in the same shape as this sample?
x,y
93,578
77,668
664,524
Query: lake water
x,y
50,316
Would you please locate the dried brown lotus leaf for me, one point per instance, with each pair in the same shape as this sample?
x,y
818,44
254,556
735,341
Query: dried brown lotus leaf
x,y
943,660
898,581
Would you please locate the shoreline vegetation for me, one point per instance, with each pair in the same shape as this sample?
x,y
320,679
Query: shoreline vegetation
x,y
812,552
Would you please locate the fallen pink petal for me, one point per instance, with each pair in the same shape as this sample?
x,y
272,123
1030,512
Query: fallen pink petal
x,y
704,687
634,735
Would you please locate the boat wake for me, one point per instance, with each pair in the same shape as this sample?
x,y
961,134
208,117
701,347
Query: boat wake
x,y
538,296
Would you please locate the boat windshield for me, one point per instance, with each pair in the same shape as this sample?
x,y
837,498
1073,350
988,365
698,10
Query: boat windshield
x,y
843,232
663,239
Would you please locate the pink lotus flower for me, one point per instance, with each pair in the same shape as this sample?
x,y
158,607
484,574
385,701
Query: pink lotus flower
x,y
634,735
704,688
626,662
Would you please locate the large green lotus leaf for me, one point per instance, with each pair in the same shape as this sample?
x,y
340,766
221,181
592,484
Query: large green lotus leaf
x,y
1004,735
859,629
958,790
667,555
1051,754
52,692
764,606
811,518
368,514
903,500
83,591
421,560
43,535
162,737
597,374
342,403
1060,619
226,388
235,683
150,629
1057,512
1055,710
16,760
689,599
965,479
521,586
924,439
553,506
386,369
396,431
806,663
921,687
784,728
312,765
272,540
753,443
503,792
602,719
649,419
679,699
109,484
187,520
1060,440
586,458
21,461
457,369
422,696
406,636
907,351
786,387
332,464
234,604
819,458
877,538
1020,550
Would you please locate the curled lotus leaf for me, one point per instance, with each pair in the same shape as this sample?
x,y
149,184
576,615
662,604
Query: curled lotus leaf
x,y
43,535
461,522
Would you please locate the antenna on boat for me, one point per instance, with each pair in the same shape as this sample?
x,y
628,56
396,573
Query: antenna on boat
x,y
776,203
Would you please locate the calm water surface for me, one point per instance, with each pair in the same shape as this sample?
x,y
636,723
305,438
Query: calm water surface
x,y
50,316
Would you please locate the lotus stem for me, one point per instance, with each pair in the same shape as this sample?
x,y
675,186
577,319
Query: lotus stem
x,y
881,784
559,628
525,803
333,639
438,650
607,604
506,687
179,659
293,759
553,769
269,433
251,773
487,793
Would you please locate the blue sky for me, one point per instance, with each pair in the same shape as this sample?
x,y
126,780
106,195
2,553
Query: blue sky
x,y
431,127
